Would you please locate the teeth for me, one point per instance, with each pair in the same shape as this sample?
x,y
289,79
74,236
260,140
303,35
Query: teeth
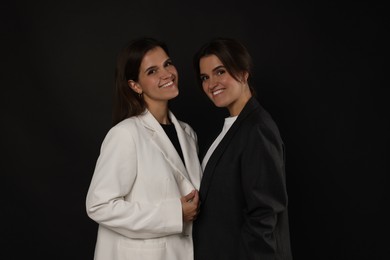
x,y
217,92
167,84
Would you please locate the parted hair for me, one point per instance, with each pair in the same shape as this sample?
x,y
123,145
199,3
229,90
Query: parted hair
x,y
128,103
231,52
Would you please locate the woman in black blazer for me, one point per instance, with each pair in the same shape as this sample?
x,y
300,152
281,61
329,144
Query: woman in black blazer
x,y
243,213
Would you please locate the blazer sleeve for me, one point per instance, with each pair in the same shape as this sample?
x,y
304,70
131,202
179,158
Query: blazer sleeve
x,y
263,181
112,181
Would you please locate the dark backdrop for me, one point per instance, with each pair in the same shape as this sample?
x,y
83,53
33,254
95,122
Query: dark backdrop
x,y
319,70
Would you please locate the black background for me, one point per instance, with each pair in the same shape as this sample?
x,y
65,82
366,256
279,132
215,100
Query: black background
x,y
319,71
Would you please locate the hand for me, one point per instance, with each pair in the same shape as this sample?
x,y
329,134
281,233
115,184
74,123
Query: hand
x,y
190,206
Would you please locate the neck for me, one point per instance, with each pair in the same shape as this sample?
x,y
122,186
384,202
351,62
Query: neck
x,y
160,112
236,107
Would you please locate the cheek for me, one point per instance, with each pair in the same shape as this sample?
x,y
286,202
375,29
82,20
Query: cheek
x,y
147,83
173,70
205,88
227,80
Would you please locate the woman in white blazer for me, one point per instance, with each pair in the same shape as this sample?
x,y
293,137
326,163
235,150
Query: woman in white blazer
x,y
143,193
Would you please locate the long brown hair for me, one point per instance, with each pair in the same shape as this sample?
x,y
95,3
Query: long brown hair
x,y
128,103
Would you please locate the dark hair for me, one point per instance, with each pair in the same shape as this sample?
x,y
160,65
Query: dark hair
x,y
232,53
127,102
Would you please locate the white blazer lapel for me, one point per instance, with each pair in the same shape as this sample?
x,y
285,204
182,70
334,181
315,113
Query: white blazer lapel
x,y
163,143
190,151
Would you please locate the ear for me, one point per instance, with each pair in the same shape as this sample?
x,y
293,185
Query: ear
x,y
134,86
244,76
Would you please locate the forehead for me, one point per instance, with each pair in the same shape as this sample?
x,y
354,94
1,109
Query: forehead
x,y
208,63
154,57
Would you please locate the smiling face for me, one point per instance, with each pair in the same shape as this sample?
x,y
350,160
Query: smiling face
x,y
223,89
158,78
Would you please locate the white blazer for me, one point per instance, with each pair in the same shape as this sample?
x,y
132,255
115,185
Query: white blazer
x,y
135,191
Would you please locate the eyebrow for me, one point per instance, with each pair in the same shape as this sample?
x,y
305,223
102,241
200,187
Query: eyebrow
x,y
218,67
155,67
215,69
150,68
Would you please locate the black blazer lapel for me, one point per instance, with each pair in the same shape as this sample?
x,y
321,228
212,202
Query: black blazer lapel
x,y
208,172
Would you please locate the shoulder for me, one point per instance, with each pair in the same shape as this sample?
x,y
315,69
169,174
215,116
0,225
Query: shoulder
x,y
260,121
124,127
264,119
126,123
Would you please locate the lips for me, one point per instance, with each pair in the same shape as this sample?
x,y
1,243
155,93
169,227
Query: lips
x,y
217,92
167,84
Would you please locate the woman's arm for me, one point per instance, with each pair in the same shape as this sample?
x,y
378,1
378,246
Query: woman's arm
x,y
113,180
264,186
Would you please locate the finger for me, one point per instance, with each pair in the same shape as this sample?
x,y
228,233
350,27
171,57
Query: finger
x,y
189,196
195,200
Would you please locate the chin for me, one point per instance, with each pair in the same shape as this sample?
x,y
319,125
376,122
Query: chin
x,y
175,94
219,104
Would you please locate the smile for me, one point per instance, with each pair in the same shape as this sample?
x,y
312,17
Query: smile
x,y
167,84
219,91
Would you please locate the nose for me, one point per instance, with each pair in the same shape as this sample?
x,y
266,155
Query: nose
x,y
167,74
212,83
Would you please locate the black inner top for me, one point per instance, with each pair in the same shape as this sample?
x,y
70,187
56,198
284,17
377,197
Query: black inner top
x,y
172,134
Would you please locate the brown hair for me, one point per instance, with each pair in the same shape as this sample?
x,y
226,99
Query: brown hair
x,y
232,53
127,102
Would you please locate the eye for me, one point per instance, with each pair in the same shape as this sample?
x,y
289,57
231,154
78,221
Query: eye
x,y
220,71
203,78
151,71
168,63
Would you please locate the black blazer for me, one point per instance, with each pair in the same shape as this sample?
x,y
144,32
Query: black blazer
x,y
243,211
